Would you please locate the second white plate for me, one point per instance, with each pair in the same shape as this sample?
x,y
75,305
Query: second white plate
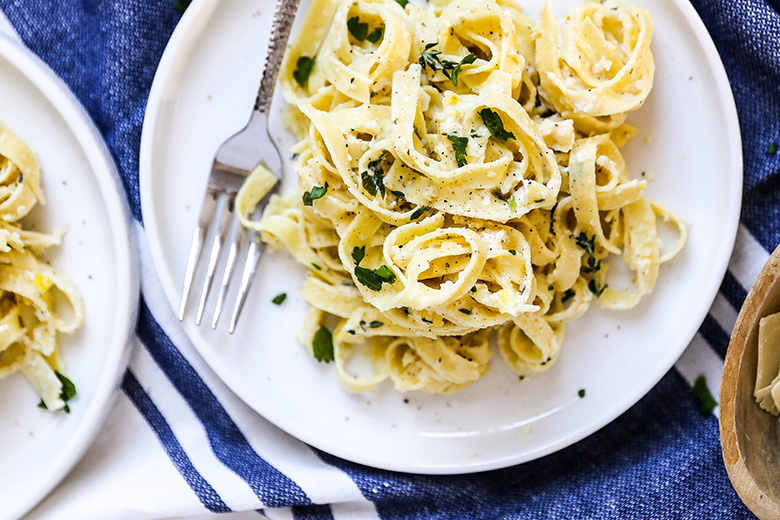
x,y
82,190
203,92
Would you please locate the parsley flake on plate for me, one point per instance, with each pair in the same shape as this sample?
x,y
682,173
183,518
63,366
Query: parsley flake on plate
x,y
67,393
322,345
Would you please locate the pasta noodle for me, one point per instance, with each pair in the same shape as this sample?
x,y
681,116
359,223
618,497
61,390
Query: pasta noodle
x,y
29,287
460,182
767,388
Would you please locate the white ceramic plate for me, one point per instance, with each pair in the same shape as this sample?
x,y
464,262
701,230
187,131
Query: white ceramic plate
x,y
203,92
81,187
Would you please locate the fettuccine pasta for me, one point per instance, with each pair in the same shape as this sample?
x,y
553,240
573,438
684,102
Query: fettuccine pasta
x,y
30,288
460,182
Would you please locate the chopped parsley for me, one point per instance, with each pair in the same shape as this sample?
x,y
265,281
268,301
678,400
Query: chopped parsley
x,y
594,287
357,29
592,266
371,278
419,212
182,5
322,345
279,298
567,295
771,149
303,68
459,144
467,59
703,396
581,393
317,192
374,35
398,194
494,123
317,267
67,393
429,57
512,252
374,278
402,3
374,179
465,311
371,325
358,254
589,246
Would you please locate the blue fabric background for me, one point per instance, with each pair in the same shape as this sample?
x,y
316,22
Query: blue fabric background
x,y
660,460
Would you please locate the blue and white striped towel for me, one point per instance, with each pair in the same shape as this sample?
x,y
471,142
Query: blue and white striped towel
x,y
178,443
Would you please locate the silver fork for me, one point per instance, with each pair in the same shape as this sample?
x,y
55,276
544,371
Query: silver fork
x,y
233,162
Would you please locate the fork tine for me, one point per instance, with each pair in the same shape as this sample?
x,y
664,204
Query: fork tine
x,y
230,266
196,247
247,274
216,246
192,261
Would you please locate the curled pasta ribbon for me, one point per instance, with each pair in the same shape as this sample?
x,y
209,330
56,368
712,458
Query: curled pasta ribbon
x,y
598,182
502,179
488,32
530,344
436,266
441,365
19,177
344,347
596,65
356,68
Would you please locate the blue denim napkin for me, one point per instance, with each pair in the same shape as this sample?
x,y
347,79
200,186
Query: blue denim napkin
x,y
661,459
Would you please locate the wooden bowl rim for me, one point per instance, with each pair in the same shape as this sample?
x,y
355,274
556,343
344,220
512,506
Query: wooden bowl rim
x,y
742,480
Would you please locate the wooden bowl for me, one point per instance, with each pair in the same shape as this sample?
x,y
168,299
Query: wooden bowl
x,y
750,437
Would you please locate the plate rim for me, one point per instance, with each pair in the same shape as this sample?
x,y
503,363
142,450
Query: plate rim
x,y
108,181
722,88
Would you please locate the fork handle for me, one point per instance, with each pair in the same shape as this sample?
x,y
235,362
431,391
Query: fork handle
x,y
280,32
